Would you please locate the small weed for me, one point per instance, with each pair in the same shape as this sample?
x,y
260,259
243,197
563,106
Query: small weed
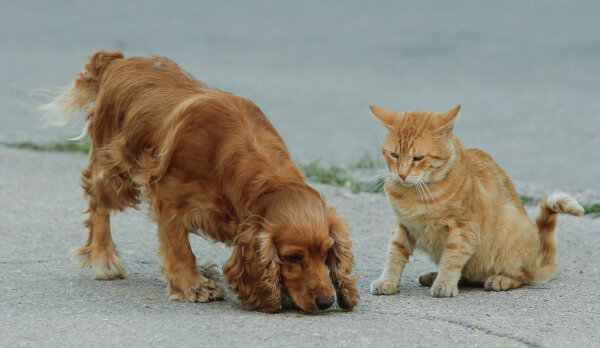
x,y
332,175
82,146
526,200
375,187
365,162
335,175
593,208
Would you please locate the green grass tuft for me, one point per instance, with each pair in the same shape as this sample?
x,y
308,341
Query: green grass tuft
x,y
365,162
335,175
332,175
82,146
376,187
593,208
526,200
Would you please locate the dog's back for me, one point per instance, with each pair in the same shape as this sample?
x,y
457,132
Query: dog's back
x,y
149,118
138,97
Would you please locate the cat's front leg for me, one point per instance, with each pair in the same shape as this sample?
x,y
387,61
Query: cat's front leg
x,y
400,248
459,247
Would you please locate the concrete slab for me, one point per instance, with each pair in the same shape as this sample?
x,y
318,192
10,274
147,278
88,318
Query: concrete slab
x,y
47,301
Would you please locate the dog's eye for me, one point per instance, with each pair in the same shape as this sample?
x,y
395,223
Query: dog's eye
x,y
294,258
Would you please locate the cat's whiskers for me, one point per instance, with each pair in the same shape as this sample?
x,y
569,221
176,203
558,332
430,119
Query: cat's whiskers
x,y
381,184
424,196
420,192
375,179
429,192
390,177
377,182
378,176
425,193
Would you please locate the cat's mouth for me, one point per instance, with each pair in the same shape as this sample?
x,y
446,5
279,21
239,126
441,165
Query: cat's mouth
x,y
408,182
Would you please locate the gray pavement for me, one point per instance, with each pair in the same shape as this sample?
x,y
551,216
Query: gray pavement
x,y
47,301
526,73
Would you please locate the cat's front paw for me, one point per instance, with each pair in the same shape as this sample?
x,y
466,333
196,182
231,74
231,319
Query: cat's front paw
x,y
384,287
444,288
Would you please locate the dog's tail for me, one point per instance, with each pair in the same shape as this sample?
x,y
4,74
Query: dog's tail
x,y
80,95
545,218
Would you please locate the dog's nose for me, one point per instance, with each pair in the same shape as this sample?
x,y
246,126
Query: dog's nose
x,y
324,302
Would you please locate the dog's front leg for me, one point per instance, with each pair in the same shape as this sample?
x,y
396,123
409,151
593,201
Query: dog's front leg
x,y
185,282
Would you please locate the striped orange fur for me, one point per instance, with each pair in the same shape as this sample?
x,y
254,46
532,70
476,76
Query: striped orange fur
x,y
458,206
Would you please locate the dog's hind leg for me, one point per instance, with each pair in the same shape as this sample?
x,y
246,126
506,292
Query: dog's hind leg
x,y
105,193
185,282
99,251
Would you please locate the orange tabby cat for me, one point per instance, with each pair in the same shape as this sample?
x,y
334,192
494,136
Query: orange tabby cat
x,y
457,205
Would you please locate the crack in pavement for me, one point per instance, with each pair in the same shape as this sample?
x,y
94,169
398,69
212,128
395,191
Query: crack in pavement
x,y
466,325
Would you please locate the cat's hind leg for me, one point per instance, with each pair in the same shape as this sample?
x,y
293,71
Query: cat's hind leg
x,y
501,282
427,279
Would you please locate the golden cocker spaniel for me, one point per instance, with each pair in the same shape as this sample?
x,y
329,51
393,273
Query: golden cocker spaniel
x,y
208,162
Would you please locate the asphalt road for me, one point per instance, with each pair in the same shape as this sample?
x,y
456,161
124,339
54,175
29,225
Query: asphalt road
x,y
526,73
45,300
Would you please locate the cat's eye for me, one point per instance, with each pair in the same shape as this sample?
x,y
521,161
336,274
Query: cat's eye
x,y
393,154
418,158
294,258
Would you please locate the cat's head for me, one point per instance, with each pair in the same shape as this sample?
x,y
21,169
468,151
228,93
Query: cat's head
x,y
419,145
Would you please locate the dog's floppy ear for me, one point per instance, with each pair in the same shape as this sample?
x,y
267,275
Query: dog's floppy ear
x,y
340,261
253,270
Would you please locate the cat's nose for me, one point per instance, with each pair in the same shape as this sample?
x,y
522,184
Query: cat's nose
x,y
402,176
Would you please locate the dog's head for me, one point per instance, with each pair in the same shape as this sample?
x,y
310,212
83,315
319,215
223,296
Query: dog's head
x,y
286,250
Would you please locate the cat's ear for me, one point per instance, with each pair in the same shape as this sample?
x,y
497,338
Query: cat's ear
x,y
386,116
444,122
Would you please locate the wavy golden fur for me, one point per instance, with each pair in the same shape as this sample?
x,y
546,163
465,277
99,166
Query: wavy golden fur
x,y
459,206
208,162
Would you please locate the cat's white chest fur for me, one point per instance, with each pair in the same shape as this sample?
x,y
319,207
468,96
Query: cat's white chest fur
x,y
429,235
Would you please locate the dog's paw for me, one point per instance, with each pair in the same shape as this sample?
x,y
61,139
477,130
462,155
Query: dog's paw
x,y
207,291
500,283
210,270
444,288
105,263
384,287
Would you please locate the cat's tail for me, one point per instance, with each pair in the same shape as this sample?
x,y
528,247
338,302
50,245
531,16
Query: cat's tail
x,y
81,94
545,218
